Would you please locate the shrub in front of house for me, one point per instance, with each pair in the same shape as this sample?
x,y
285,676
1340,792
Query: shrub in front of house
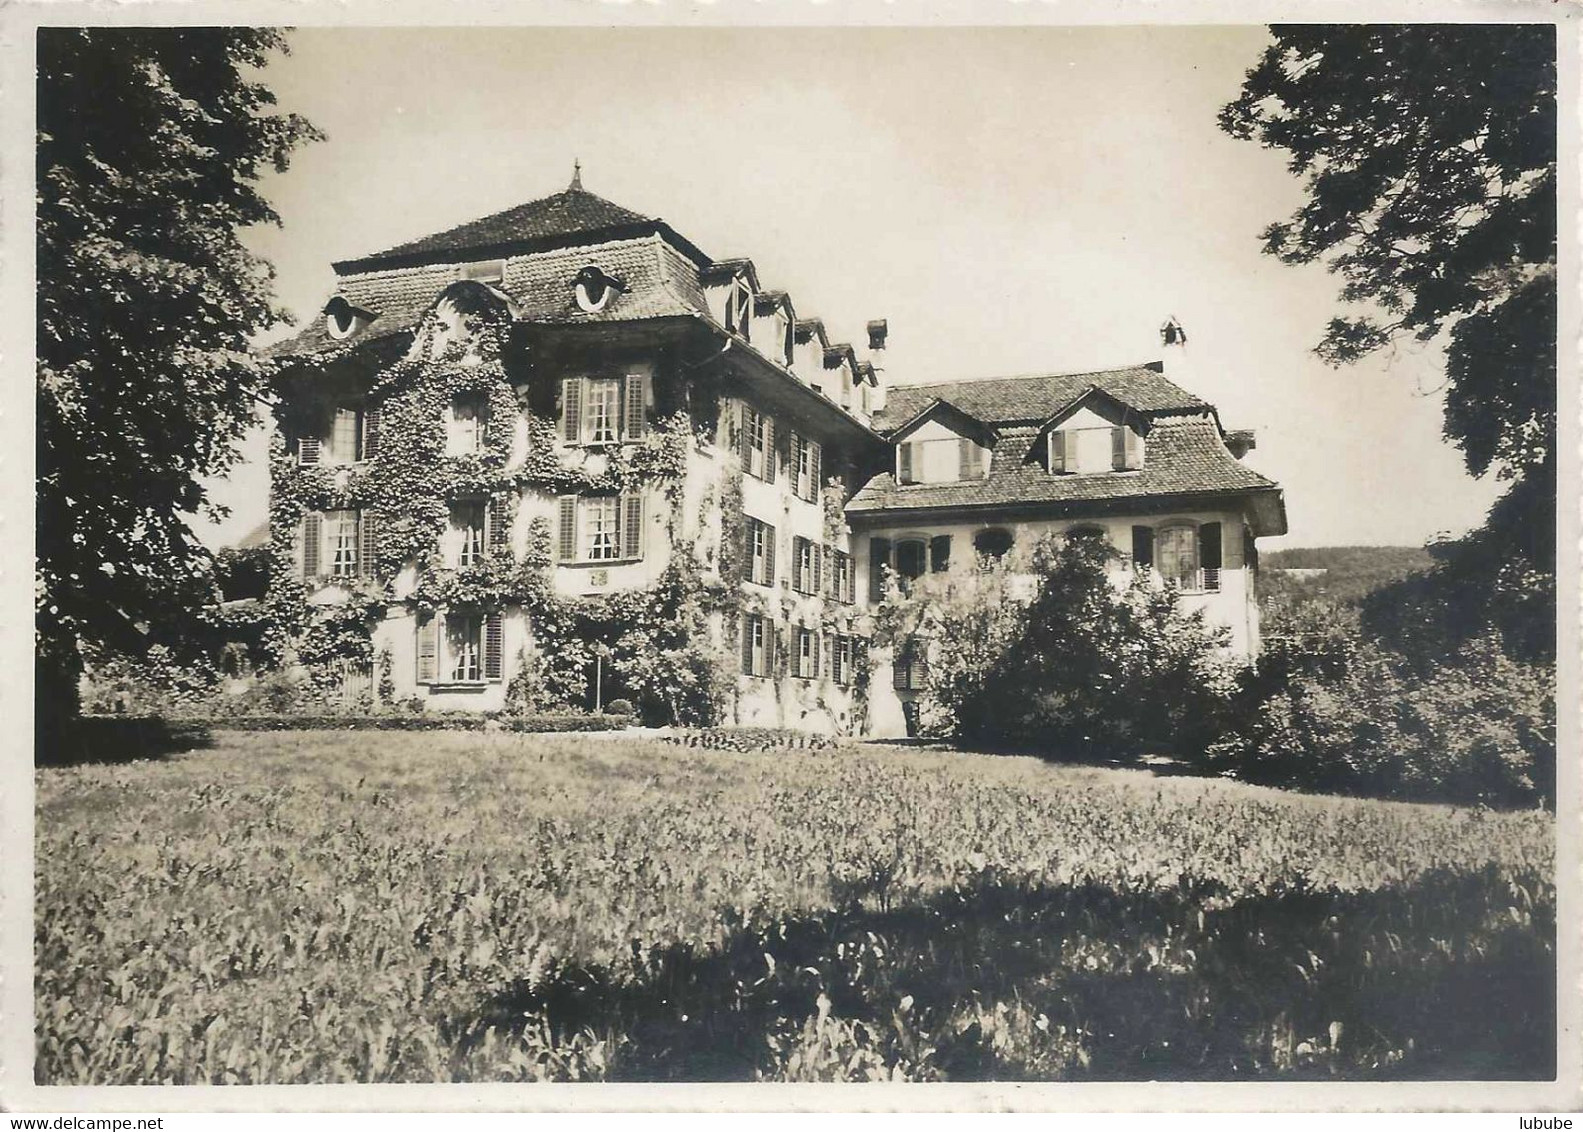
x,y
1051,657
620,707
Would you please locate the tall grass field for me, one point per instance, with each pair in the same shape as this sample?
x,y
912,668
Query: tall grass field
x,y
355,906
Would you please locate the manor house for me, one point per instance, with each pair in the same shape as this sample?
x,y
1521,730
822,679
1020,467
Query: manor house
x,y
500,444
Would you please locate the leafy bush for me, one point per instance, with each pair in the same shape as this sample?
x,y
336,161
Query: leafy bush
x,y
619,707
1330,708
1064,661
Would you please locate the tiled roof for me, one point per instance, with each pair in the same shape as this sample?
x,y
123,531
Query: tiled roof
x,y
572,215
659,282
1183,455
1002,399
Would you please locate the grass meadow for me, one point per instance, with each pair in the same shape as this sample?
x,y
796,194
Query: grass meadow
x,y
328,907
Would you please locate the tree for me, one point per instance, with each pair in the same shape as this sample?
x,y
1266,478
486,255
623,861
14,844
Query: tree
x,y
1059,659
150,146
1429,157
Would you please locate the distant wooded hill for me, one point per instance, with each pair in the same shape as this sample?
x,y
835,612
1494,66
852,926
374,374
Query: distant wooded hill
x,y
1351,572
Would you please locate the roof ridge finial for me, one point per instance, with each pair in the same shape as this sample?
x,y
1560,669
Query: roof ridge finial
x,y
577,177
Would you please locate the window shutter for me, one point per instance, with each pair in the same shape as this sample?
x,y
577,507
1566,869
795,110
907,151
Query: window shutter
x,y
964,463
746,435
566,542
817,553
904,463
1209,552
1134,450
634,401
1118,448
496,519
878,559
307,450
940,553
794,445
632,525
851,580
572,409
312,544
365,543
494,647
370,433
1057,451
815,471
1142,546
769,450
797,578
815,634
747,644
769,555
428,648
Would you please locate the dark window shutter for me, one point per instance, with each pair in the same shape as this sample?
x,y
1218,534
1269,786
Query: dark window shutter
x,y
815,462
769,555
817,552
747,436
769,450
1142,546
566,541
878,559
1209,552
1118,448
798,542
494,647
572,409
366,528
815,673
370,433
1057,451
964,463
747,644
308,450
428,648
940,553
904,463
497,523
634,407
632,526
312,544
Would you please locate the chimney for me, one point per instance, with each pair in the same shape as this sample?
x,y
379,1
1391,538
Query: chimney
x,y
1173,356
877,329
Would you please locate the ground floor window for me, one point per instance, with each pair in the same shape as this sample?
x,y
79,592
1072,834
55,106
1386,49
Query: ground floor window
x,y
460,648
807,654
910,669
758,645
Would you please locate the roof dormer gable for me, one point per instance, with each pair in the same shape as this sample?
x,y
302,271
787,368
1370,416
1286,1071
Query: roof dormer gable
x,y
1093,432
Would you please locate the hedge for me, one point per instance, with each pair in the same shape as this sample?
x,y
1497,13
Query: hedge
x,y
560,721
748,739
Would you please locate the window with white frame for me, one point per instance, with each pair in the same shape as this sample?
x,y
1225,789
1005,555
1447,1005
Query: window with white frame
x,y
843,585
468,522
464,647
761,552
739,308
807,455
343,437
601,541
340,528
464,427
603,410
758,645
1084,451
806,658
758,444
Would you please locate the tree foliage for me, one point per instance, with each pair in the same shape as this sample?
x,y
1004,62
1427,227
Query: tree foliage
x,y
1429,158
1058,659
151,142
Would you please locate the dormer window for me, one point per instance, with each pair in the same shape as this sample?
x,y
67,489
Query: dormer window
x,y
941,461
342,319
739,308
593,289
1082,451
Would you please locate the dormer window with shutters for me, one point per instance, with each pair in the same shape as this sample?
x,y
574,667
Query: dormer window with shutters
x,y
1086,450
604,410
942,444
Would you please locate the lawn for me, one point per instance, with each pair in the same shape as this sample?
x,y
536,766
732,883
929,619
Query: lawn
x,y
337,906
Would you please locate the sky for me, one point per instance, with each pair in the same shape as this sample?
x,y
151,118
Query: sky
x,y
1011,200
